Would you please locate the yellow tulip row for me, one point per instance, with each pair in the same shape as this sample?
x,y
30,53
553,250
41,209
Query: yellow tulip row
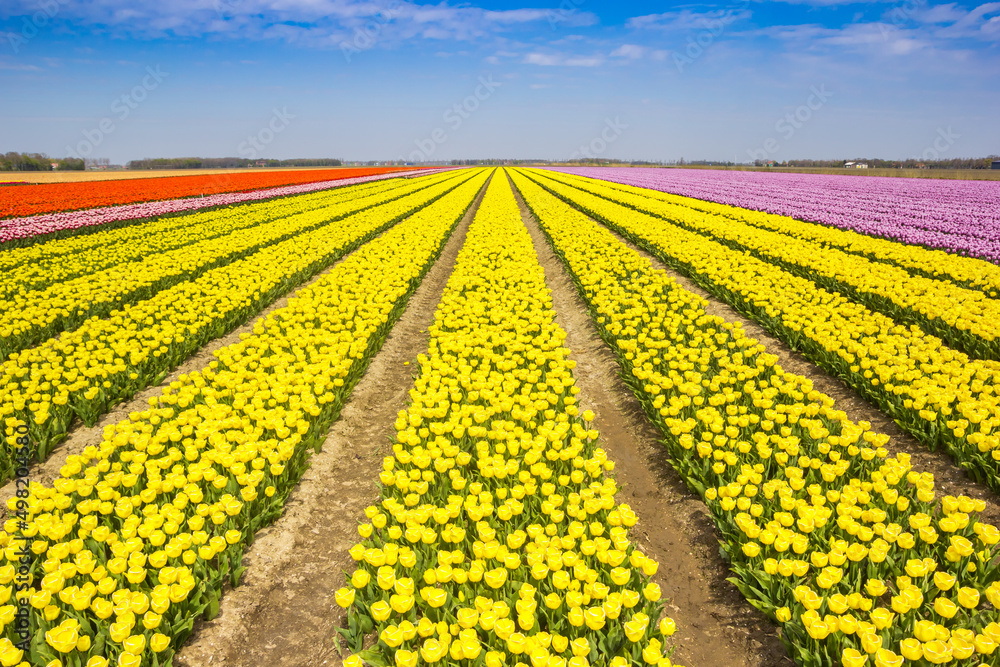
x,y
26,319
497,540
138,535
85,371
844,545
964,318
938,394
136,231
46,263
966,271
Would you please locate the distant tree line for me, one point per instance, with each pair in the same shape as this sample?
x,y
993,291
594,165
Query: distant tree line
x,y
225,163
494,161
632,163
911,163
37,162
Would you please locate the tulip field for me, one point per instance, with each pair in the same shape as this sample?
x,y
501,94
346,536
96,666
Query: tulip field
x,y
962,217
48,198
495,528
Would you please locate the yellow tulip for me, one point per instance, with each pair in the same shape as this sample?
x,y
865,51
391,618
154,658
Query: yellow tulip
x,y
937,652
380,610
432,650
159,642
135,644
634,631
405,658
886,658
871,642
911,649
392,636
386,577
853,658
595,618
985,645
64,636
345,597
471,648
944,580
401,603
818,630
651,654
968,597
496,578
945,607
875,587
882,618
516,643
924,631
129,660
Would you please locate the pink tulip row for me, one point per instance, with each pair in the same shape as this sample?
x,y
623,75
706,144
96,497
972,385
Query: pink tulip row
x,y
19,228
959,216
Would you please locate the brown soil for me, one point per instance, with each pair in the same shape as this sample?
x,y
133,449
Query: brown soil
x,y
284,612
716,625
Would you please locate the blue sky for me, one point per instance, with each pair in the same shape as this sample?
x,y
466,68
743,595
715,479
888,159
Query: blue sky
x,y
391,79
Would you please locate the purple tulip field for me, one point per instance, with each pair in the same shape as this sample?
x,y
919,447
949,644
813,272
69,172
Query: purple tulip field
x,y
962,217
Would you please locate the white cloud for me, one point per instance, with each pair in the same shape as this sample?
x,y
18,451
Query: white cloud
x,y
562,60
688,21
322,23
934,30
18,67
629,51
825,3
573,18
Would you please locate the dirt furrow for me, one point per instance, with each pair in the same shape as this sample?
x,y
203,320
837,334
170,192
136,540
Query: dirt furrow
x,y
716,625
284,612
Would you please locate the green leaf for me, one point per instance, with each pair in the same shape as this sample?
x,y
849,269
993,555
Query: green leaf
x,y
373,657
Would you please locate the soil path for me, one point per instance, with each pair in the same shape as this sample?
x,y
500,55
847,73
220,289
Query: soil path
x,y
716,626
284,612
